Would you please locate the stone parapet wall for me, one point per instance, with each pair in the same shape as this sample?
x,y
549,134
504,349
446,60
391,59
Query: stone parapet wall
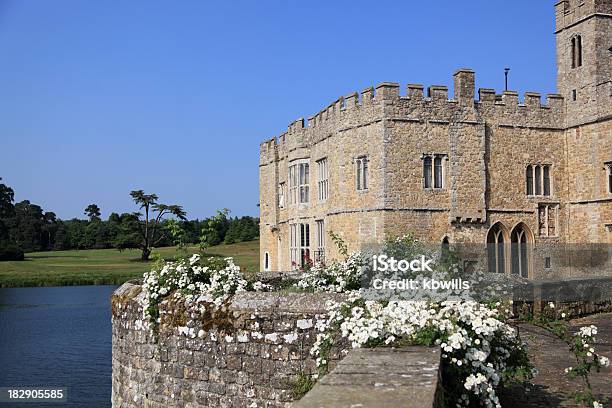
x,y
246,356
575,297
372,378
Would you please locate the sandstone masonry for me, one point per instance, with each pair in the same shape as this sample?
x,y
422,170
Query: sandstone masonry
x,y
249,356
528,184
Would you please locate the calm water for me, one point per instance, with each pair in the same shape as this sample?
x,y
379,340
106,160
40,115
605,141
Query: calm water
x,y
57,336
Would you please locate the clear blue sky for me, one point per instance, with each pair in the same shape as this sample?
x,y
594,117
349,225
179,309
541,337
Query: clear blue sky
x,y
174,97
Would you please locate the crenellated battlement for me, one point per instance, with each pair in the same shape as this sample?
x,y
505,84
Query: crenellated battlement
x,y
487,96
434,104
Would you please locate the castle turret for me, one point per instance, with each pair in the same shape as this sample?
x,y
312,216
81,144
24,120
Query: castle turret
x,y
584,59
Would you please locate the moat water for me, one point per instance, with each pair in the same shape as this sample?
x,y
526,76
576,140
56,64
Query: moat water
x,y
57,337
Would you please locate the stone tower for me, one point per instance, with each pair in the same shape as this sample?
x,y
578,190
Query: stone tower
x,y
584,59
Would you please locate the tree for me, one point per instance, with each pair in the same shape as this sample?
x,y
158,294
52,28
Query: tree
x,y
26,226
49,228
242,229
125,231
6,209
214,229
151,228
179,235
77,236
7,196
93,212
61,240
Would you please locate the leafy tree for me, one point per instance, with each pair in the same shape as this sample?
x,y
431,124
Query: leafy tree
x,y
214,229
77,235
11,252
192,229
26,226
6,209
152,231
242,229
97,235
93,212
180,236
61,240
126,231
7,196
50,226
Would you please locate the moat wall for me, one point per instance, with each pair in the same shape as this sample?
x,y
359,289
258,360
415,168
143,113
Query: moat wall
x,y
249,356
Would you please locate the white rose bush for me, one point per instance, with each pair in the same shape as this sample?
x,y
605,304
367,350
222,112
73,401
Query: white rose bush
x,y
206,282
337,277
480,351
580,343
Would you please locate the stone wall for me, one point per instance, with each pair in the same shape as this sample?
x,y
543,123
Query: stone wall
x,y
487,141
589,149
252,353
592,79
371,378
475,137
248,356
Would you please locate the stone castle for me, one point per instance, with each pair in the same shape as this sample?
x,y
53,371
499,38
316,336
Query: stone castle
x,y
526,182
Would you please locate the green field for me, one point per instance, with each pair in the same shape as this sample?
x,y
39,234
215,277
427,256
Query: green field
x,y
105,266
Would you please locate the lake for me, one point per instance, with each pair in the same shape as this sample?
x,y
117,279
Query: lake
x,y
57,337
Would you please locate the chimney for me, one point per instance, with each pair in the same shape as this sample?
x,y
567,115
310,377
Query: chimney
x,y
465,86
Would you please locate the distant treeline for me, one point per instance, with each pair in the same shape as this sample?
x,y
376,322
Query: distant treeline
x,y
26,227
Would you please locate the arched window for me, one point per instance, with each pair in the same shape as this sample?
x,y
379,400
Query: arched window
x,y
445,250
496,248
445,245
521,250
576,51
266,261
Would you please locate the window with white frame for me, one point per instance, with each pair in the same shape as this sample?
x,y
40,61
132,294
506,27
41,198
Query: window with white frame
x,y
320,252
322,179
293,245
293,184
547,220
299,179
433,171
305,244
537,180
281,195
362,173
299,245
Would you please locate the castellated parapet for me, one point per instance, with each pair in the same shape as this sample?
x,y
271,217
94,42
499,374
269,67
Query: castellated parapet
x,y
358,107
478,167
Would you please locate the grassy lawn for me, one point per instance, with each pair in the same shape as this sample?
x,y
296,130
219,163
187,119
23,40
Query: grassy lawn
x,y
105,266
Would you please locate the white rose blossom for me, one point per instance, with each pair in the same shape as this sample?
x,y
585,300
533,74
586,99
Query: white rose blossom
x,y
192,283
